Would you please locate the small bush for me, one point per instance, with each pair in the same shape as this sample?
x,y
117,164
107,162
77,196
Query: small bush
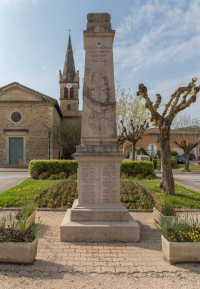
x,y
133,168
142,151
60,176
44,176
174,154
173,163
54,167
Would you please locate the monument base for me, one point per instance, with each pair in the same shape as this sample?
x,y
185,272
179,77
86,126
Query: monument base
x,y
101,230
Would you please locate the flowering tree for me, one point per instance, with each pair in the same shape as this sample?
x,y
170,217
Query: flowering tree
x,y
179,100
132,117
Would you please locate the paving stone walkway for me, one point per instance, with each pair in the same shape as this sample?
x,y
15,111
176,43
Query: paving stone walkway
x,y
54,256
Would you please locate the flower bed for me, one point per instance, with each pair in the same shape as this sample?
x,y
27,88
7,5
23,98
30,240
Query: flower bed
x,y
132,195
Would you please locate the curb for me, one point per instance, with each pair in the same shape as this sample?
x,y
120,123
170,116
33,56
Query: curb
x,y
131,210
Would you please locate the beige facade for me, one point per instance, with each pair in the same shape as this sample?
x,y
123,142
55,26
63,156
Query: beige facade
x,y
27,137
152,136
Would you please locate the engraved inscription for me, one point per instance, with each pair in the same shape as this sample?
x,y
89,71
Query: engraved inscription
x,y
109,183
88,183
98,53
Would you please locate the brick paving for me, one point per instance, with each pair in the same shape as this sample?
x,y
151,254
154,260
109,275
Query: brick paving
x,y
142,257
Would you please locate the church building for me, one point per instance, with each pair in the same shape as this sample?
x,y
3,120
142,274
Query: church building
x,y
29,120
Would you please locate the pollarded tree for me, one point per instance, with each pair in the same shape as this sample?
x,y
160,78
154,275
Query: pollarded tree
x,y
133,134
179,100
186,135
68,135
132,117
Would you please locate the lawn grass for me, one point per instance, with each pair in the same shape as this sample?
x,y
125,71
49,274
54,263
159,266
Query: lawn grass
x,y
181,168
28,190
183,198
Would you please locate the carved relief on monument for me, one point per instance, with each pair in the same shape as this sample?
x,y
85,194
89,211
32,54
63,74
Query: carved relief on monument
x,y
99,148
99,86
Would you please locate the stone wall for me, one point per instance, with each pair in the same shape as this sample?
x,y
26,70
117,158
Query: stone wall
x,y
36,117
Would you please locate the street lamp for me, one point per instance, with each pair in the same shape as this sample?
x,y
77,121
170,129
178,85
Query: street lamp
x,y
49,138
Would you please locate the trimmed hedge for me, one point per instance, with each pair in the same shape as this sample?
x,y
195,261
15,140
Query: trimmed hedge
x,y
69,167
132,168
157,163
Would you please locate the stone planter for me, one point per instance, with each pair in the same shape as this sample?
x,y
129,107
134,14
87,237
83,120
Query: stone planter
x,y
168,219
29,221
21,252
180,252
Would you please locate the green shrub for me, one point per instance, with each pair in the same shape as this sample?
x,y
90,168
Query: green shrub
x,y
173,163
133,168
159,154
69,167
155,163
142,151
174,154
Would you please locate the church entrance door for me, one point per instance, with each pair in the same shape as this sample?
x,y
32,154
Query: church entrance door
x,y
15,150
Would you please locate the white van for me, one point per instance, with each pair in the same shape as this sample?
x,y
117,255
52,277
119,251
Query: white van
x,y
142,158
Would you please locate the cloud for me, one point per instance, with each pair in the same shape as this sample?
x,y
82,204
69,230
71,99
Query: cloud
x,y
158,32
22,4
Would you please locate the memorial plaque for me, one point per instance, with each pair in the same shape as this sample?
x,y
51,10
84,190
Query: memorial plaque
x,y
110,183
88,183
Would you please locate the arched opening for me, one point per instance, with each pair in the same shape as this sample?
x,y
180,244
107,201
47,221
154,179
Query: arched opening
x,y
72,92
65,92
69,107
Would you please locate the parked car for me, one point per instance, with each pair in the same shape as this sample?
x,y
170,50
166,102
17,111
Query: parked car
x,y
180,159
192,157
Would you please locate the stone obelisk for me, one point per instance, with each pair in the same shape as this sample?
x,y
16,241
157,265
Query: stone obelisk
x,y
98,215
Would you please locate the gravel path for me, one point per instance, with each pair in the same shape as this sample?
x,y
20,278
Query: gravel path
x,y
10,280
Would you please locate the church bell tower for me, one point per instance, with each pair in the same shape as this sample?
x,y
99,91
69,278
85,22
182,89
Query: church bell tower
x,y
69,85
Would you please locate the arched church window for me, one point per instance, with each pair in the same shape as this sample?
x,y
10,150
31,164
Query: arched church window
x,y
71,92
65,92
69,107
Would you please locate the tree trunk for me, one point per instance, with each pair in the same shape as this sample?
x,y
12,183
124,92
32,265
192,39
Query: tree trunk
x,y
133,151
187,161
167,183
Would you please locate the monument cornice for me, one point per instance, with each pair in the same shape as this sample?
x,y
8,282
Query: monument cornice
x,y
110,33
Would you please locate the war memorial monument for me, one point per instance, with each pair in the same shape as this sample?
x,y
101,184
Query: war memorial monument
x,y
98,215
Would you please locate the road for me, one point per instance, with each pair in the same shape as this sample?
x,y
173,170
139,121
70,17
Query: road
x,y
189,180
10,178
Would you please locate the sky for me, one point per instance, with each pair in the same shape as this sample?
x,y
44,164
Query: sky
x,y
157,43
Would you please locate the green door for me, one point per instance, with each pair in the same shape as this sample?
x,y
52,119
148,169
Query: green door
x,y
15,150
